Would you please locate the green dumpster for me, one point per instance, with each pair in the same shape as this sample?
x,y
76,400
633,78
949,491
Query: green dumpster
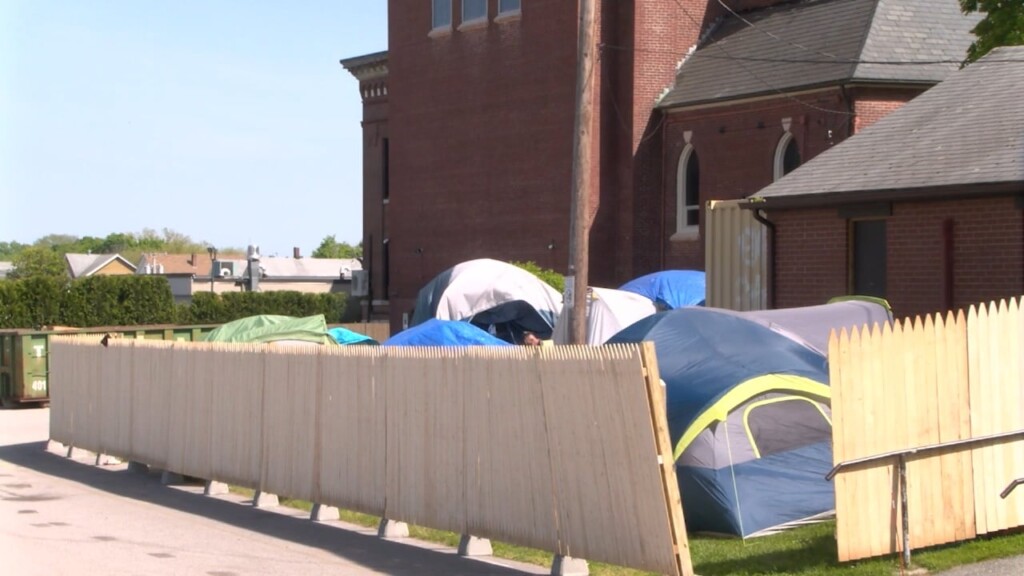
x,y
25,364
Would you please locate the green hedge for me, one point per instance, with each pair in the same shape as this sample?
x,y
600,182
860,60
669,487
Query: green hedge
x,y
143,300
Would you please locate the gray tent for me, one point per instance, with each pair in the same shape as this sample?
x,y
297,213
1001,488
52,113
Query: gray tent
x,y
814,323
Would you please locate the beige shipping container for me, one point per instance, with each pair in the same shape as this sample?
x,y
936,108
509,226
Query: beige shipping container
x,y
736,257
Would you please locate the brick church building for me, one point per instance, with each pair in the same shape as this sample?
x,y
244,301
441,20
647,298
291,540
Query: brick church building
x,y
468,121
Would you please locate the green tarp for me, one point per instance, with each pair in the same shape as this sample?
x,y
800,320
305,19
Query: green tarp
x,y
271,328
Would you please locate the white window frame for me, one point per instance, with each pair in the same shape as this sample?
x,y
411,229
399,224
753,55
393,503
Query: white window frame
x,y
683,230
466,21
780,154
435,26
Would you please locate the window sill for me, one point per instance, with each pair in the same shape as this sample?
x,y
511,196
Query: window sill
x,y
508,16
440,31
473,24
689,234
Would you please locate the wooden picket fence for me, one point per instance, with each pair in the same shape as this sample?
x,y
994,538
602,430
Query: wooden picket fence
x,y
564,449
919,383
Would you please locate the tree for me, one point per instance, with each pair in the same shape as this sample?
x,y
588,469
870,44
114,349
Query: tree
x,y
9,249
331,248
1003,25
38,262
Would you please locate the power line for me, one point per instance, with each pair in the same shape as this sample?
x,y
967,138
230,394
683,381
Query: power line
x,y
772,35
754,75
702,54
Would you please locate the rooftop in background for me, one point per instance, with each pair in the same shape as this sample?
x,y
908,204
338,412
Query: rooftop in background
x,y
277,268
5,268
964,136
83,265
804,45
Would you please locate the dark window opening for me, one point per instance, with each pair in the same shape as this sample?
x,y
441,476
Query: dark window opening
x,y
385,168
869,258
692,190
790,158
385,256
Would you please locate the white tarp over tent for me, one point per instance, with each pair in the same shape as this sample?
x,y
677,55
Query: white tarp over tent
x,y
608,312
490,293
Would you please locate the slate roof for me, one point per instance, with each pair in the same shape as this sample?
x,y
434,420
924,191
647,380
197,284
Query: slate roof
x,y
83,265
313,269
815,43
964,136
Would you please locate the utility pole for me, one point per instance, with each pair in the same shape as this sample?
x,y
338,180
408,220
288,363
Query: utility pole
x,y
579,223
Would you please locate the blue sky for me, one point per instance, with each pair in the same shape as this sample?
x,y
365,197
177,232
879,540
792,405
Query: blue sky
x,y
230,121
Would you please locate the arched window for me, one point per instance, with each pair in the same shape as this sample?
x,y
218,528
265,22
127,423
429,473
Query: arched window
x,y
787,156
688,190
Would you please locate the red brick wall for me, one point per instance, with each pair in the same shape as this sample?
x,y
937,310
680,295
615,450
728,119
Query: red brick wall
x,y
736,148
481,126
481,135
988,248
810,257
872,104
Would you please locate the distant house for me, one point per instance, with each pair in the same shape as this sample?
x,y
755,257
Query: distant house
x,y
190,274
85,265
5,268
310,275
923,208
195,272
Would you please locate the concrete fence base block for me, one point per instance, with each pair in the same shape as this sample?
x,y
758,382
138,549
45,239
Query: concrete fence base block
x,y
214,488
569,566
473,546
168,478
138,467
53,446
264,500
107,460
322,513
392,529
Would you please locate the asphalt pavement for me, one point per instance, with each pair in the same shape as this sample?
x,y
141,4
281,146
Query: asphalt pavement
x,y
62,515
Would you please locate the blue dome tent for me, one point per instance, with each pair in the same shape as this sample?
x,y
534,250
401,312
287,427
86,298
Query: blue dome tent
x,y
436,332
749,419
670,289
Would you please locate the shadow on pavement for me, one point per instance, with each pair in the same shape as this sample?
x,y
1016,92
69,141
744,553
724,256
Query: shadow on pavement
x,y
390,557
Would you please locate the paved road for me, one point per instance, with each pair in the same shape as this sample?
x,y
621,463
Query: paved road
x,y
67,516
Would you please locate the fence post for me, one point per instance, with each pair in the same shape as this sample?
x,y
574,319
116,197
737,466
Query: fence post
x,y
904,513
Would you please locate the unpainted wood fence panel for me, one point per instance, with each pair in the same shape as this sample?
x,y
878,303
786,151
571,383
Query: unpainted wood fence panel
x,y
290,394
353,430
925,382
565,449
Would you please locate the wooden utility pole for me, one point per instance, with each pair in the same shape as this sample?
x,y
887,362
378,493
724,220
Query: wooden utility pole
x,y
579,223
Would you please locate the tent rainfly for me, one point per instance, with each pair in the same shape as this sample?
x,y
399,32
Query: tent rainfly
x,y
748,414
501,298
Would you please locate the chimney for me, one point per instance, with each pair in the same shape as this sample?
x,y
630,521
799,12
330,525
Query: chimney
x,y
192,262
296,253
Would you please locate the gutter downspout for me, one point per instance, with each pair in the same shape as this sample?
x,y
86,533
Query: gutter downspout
x,y
760,217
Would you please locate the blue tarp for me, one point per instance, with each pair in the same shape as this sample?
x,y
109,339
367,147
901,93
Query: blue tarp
x,y
434,332
344,336
747,408
670,289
